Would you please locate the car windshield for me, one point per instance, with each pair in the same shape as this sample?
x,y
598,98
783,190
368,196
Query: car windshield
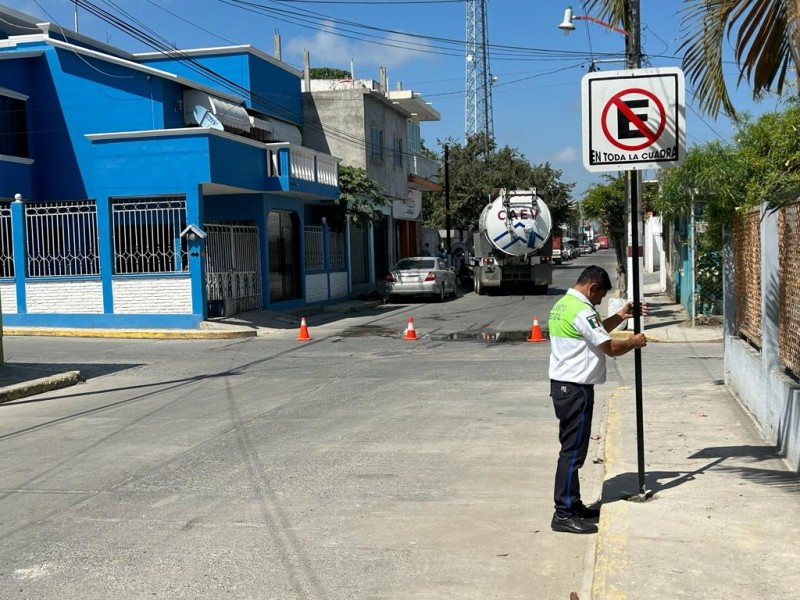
x,y
411,264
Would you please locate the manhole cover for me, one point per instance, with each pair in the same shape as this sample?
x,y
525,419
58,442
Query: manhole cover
x,y
368,331
487,337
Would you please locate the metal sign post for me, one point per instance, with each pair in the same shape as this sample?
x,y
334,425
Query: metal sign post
x,y
633,181
634,120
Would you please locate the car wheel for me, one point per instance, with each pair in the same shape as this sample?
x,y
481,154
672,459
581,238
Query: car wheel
x,y
479,287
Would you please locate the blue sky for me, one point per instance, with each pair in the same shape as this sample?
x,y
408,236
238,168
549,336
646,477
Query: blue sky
x,y
537,96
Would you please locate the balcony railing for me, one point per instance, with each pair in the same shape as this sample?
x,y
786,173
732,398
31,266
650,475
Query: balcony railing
x,y
424,167
302,163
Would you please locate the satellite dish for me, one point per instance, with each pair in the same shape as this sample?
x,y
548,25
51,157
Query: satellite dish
x,y
205,118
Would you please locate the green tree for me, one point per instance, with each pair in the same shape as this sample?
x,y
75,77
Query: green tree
x,y
328,73
766,40
762,165
606,204
556,193
360,194
713,176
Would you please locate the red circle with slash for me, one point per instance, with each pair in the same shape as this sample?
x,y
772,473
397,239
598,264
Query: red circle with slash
x,y
651,136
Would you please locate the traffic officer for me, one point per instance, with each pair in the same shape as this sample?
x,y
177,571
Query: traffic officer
x,y
579,344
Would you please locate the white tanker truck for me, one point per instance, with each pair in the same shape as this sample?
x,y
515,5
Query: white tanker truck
x,y
512,247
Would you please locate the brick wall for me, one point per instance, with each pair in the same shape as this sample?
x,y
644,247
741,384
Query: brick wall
x,y
339,284
316,287
64,297
8,297
158,295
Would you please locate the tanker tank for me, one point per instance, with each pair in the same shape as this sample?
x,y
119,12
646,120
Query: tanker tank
x,y
517,224
512,247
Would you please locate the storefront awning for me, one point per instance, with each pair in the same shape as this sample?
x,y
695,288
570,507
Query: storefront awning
x,y
277,130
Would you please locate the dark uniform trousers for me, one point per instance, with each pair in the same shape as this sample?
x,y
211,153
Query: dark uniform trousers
x,y
573,404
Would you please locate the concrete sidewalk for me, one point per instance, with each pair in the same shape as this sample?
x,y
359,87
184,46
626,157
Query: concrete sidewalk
x,y
722,521
669,322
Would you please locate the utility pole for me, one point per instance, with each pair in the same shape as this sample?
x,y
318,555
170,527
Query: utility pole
x,y
447,223
633,49
633,179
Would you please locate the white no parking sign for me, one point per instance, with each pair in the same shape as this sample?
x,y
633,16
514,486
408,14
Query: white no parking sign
x,y
634,119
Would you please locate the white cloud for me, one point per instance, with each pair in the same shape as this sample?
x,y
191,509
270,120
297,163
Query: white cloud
x,y
331,50
567,154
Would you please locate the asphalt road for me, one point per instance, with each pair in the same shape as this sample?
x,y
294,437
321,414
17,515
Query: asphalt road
x,y
357,465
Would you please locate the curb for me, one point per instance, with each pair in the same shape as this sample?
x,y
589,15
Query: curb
x,y
167,334
609,550
624,335
37,386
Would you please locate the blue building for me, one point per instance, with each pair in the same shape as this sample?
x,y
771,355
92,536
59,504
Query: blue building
x,y
156,190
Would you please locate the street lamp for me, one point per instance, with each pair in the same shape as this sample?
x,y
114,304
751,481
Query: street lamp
x,y
567,25
632,178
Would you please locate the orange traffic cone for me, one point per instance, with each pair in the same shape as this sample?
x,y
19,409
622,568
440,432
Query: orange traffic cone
x,y
303,337
536,331
411,333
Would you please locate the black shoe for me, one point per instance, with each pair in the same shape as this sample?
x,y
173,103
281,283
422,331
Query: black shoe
x,y
572,525
584,512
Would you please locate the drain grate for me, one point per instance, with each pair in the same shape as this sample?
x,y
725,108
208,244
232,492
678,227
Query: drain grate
x,y
486,337
368,331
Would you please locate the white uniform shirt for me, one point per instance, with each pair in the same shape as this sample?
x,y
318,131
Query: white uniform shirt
x,y
576,331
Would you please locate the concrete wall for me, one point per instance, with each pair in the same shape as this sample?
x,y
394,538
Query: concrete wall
x,y
393,178
324,120
653,244
356,111
754,375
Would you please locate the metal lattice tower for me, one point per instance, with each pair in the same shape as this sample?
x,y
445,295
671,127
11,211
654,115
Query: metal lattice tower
x,y
478,98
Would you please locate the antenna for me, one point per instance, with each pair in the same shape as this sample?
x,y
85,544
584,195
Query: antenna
x,y
478,101
205,118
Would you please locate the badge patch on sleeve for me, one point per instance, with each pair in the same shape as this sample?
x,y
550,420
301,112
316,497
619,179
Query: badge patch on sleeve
x,y
593,321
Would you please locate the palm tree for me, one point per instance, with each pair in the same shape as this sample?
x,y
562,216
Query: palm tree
x,y
766,44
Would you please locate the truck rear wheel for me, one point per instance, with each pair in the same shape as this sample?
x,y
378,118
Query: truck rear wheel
x,y
479,289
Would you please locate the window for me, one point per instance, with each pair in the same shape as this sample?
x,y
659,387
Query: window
x,y
376,143
13,127
397,148
414,140
62,239
315,249
147,235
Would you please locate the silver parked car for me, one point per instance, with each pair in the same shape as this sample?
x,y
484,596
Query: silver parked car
x,y
421,275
